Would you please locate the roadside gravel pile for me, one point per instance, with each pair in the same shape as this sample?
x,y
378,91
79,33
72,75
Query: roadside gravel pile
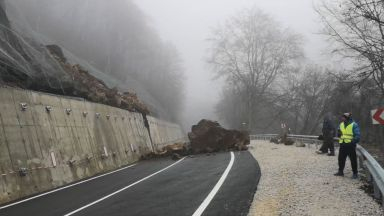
x,y
296,181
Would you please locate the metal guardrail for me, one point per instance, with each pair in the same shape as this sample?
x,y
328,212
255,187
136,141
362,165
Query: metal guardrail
x,y
373,171
301,138
371,168
263,136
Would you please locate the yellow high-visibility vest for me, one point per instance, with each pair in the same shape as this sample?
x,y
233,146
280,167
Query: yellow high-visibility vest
x,y
346,133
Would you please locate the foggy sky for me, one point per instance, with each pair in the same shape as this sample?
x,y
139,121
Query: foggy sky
x,y
187,24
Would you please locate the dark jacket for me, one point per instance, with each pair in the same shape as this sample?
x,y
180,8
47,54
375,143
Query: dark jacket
x,y
329,129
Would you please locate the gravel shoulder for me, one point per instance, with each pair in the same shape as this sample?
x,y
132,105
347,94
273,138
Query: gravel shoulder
x,y
297,181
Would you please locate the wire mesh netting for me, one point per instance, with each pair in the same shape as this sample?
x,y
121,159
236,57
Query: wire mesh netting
x,y
26,63
26,58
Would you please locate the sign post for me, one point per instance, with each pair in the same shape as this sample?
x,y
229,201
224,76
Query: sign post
x,y
378,116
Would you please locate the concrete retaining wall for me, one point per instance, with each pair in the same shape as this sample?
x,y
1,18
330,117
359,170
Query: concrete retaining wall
x,y
163,133
58,140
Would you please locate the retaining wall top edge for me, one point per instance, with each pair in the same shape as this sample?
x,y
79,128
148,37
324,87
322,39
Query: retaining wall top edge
x,y
78,99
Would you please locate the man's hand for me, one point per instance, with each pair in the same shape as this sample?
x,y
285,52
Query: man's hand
x,y
339,133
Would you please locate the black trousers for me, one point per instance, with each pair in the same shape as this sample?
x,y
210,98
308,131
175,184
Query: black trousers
x,y
347,150
327,144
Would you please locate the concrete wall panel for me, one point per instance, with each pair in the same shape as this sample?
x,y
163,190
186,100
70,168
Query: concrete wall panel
x,y
57,148
24,116
7,108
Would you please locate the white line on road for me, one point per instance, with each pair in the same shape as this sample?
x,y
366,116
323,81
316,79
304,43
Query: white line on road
x,y
215,189
65,187
122,189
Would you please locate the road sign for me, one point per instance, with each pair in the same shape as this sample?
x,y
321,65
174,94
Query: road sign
x,y
378,116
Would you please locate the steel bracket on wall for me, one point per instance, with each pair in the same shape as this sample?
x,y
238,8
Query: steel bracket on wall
x,y
23,171
68,111
48,109
23,106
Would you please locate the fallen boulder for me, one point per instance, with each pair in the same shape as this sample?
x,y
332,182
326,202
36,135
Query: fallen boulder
x,y
289,141
208,136
274,140
176,147
300,144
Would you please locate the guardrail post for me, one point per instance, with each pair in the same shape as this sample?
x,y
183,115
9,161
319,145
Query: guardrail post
x,y
368,175
376,190
382,201
361,166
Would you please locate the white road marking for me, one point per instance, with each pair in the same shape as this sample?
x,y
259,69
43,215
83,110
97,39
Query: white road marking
x,y
215,189
65,187
122,189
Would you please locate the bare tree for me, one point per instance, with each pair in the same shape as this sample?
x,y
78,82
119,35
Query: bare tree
x,y
250,51
358,26
313,97
230,109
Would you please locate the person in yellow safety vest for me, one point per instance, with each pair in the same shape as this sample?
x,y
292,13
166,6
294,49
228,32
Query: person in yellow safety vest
x,y
349,136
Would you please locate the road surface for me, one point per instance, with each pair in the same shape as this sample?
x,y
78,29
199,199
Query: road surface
x,y
217,184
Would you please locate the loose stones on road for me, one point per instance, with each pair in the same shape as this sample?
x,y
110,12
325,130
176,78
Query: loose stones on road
x,y
296,181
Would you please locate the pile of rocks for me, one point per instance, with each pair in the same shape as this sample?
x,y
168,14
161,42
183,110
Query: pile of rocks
x,y
208,136
282,139
95,90
175,151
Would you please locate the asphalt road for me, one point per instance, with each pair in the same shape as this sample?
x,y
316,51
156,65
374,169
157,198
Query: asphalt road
x,y
218,184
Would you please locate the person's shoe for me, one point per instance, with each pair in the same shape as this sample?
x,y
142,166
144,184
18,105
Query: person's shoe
x,y
331,154
320,152
339,174
355,176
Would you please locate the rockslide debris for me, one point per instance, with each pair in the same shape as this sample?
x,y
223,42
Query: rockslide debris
x,y
208,136
95,90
